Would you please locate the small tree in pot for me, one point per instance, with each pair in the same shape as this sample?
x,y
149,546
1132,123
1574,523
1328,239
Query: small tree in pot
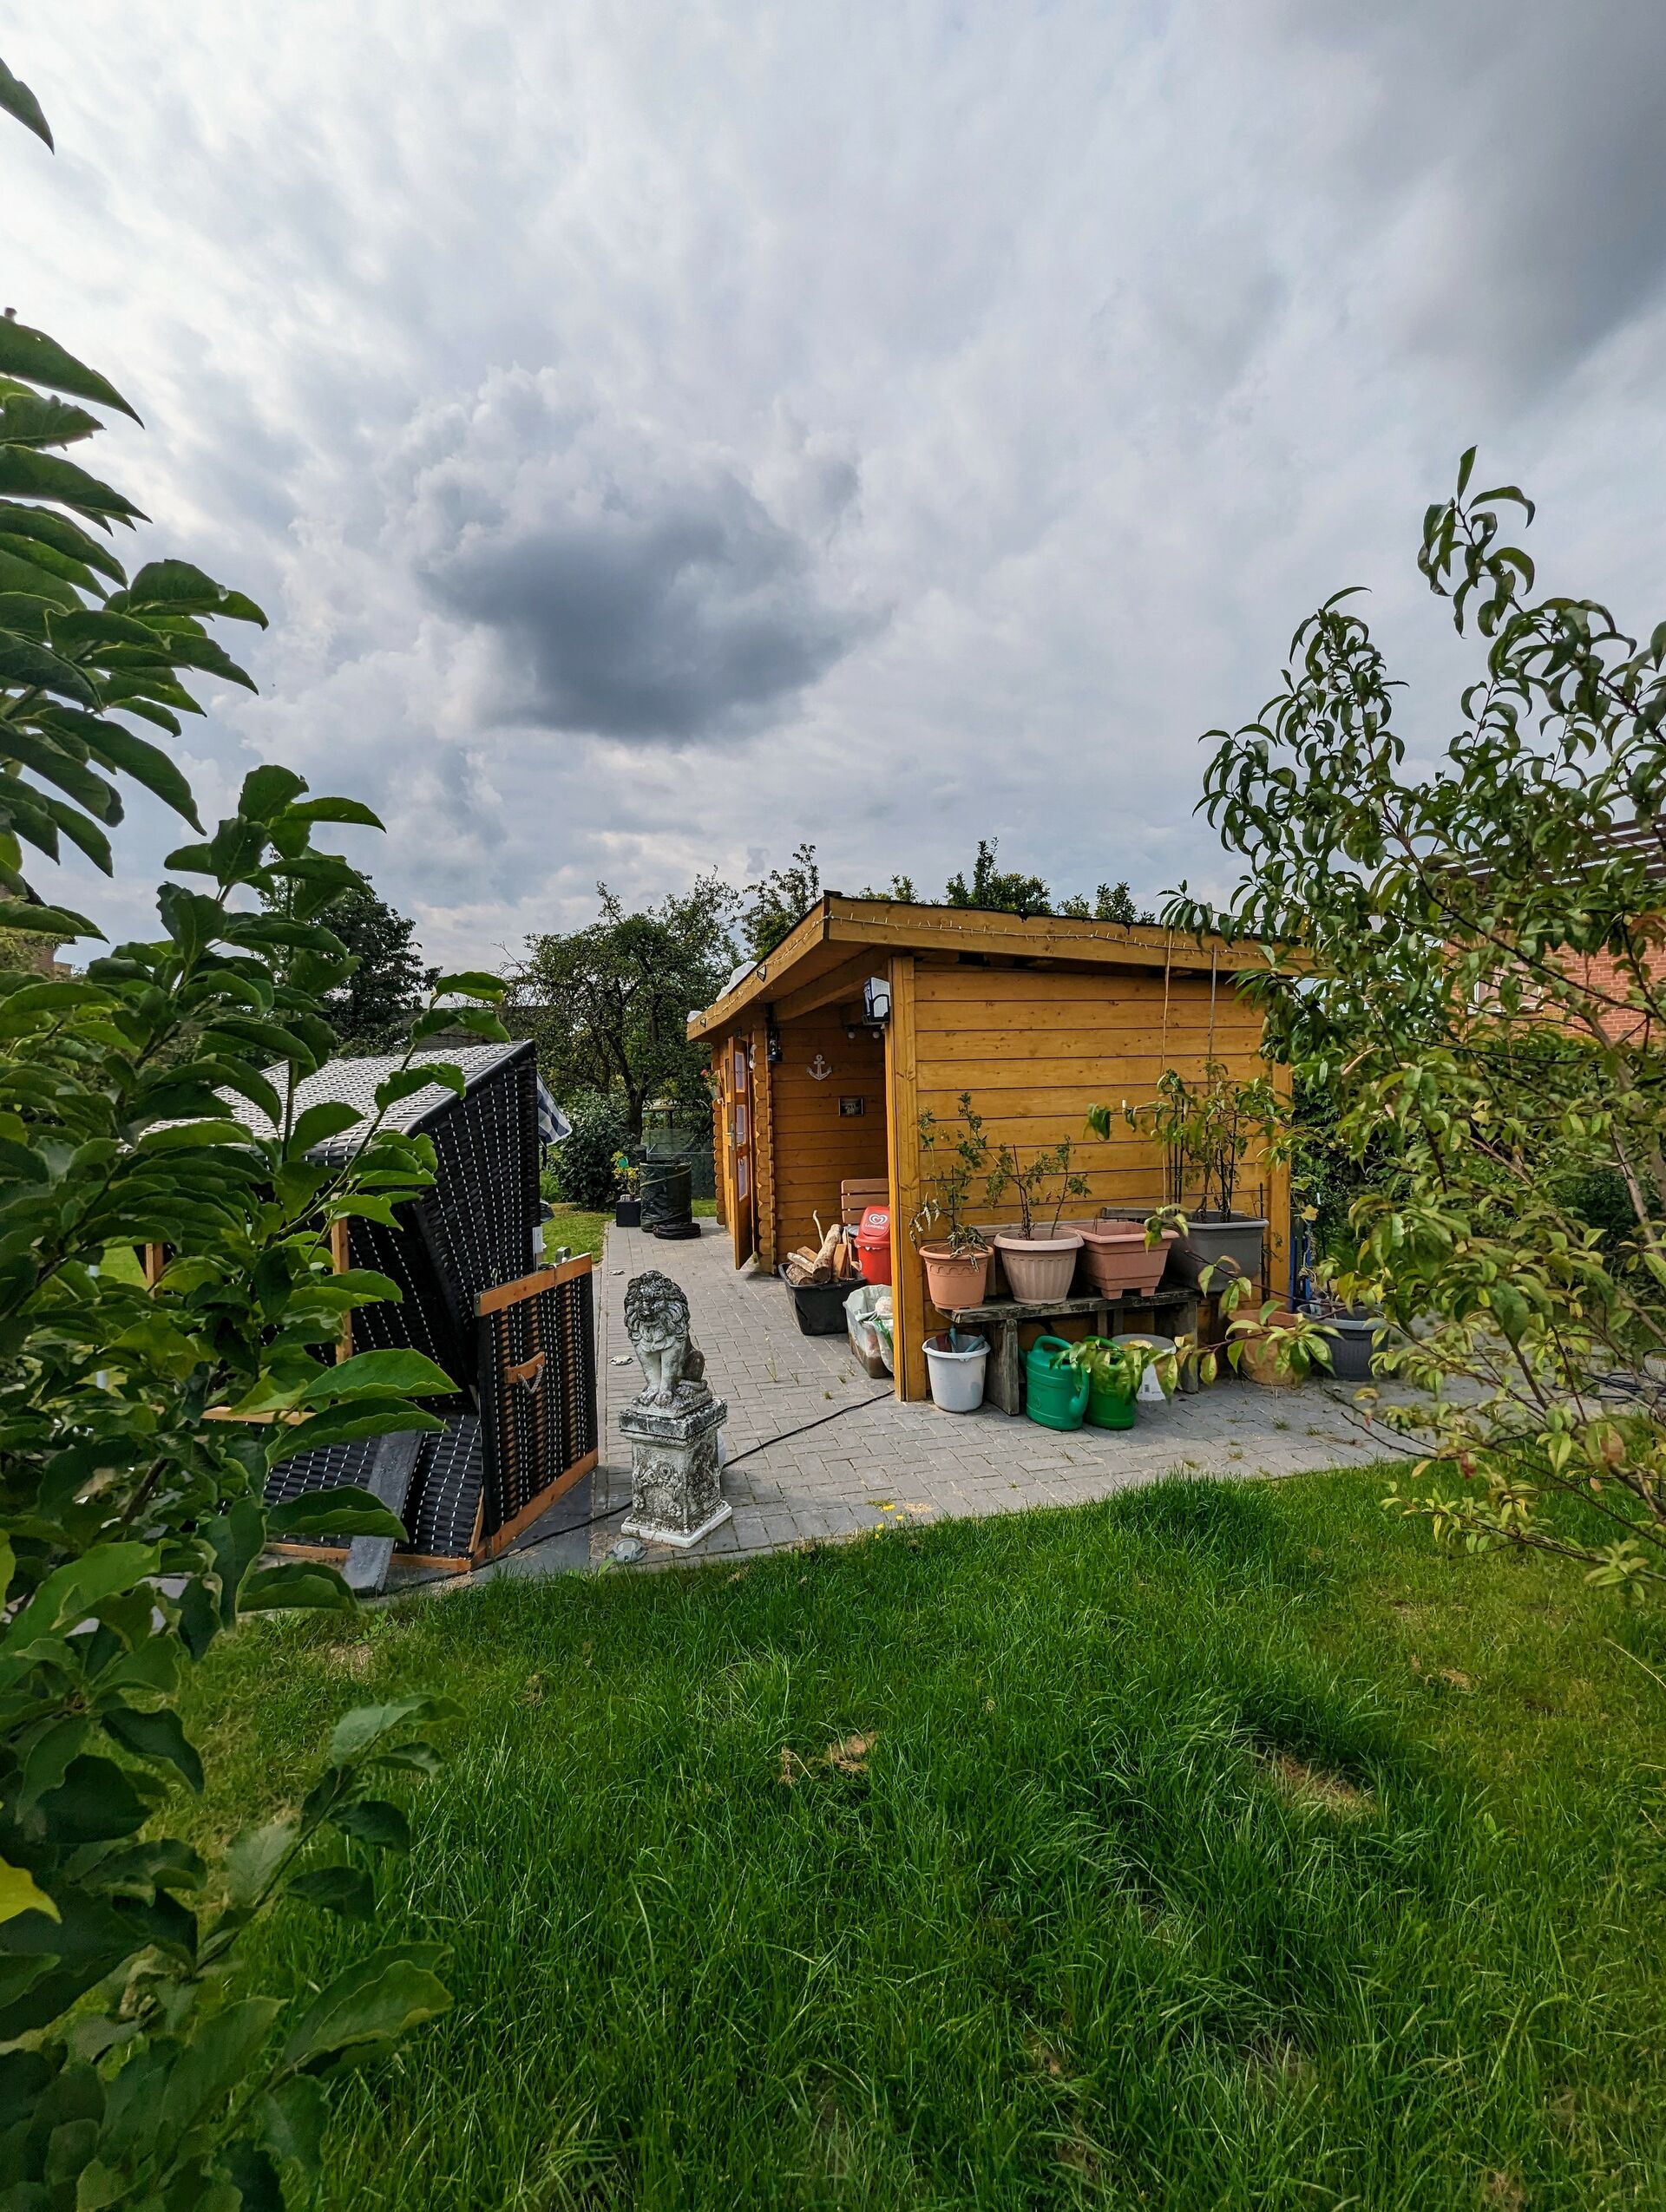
x,y
1206,1129
1040,1256
954,1251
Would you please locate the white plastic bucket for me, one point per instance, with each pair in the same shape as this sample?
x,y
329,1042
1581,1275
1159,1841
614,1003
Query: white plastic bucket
x,y
955,1364
1150,1391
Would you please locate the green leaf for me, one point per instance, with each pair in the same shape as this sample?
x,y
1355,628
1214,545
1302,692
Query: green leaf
x,y
374,1821
17,100
189,1137
267,791
412,1374
405,1083
46,922
344,1512
43,475
155,1736
178,588
472,983
301,1585
19,1895
220,2054
318,1123
366,2010
348,1891
95,1803
353,811
24,663
359,1730
71,1591
28,419
292,2118
253,1860
80,547
352,1421
146,764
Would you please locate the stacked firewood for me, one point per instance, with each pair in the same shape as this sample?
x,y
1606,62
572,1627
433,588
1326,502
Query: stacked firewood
x,y
834,1261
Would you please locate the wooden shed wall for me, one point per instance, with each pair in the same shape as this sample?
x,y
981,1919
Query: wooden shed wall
x,y
814,1147
1036,1048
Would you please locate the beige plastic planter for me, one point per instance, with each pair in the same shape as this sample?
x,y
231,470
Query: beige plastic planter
x,y
954,1280
1115,1256
1039,1270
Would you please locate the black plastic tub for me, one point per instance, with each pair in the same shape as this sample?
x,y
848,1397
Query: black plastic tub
x,y
627,1213
668,1198
820,1307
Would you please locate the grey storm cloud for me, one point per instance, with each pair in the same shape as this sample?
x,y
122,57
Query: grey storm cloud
x,y
638,590
663,434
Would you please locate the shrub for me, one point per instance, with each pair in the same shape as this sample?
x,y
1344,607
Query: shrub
x,y
585,1161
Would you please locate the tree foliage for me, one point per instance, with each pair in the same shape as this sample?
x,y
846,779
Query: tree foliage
x,y
771,907
371,1011
997,890
138,1425
1471,966
607,1005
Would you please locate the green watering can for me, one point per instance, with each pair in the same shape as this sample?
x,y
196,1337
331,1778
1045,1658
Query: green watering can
x,y
1055,1392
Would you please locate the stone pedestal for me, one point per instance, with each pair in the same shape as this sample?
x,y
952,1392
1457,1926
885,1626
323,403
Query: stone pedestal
x,y
676,1496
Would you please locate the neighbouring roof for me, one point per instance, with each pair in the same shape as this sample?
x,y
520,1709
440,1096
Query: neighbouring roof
x,y
837,931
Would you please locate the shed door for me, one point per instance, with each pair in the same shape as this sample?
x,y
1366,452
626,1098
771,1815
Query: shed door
x,y
740,1151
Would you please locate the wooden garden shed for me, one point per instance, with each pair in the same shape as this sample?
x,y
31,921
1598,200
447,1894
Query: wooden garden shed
x,y
825,1054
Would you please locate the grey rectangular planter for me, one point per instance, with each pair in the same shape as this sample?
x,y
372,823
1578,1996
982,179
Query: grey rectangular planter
x,y
1352,1342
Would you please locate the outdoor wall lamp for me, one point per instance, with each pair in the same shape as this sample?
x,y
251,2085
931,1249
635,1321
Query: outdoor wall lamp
x,y
877,999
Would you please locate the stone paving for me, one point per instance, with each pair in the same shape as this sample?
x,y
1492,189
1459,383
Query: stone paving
x,y
878,1461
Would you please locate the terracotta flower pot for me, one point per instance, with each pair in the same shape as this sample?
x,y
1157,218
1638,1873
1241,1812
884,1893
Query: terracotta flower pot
x,y
1115,1257
1038,1269
954,1280
1267,1360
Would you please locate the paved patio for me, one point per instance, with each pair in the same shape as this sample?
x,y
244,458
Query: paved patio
x,y
870,1461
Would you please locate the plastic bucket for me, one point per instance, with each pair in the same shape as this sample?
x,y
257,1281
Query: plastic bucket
x,y
955,1364
1055,1393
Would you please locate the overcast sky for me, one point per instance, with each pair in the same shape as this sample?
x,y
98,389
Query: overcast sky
x,y
663,432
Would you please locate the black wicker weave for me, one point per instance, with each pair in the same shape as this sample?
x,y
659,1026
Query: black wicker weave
x,y
474,1231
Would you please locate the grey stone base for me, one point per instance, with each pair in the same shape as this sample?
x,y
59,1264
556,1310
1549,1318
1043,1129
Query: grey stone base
x,y
676,1484
631,1526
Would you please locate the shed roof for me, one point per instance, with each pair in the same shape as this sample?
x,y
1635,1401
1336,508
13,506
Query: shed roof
x,y
837,932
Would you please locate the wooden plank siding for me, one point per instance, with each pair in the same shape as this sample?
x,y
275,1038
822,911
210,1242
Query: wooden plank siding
x,y
813,1146
1037,1047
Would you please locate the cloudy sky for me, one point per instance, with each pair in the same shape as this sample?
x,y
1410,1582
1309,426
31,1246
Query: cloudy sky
x,y
660,434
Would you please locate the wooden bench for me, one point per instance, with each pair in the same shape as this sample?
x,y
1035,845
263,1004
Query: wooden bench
x,y
1000,1319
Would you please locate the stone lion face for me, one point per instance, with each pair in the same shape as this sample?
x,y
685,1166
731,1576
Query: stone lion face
x,y
656,1311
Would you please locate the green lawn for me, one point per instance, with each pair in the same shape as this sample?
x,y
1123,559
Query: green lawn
x,y
580,1230
1221,1846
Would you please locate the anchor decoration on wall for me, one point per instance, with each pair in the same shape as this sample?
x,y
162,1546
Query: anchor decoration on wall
x,y
820,1069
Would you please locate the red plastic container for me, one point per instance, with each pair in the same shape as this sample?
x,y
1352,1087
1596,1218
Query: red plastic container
x,y
873,1245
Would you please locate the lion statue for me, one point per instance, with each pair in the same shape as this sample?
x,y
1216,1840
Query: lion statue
x,y
656,1322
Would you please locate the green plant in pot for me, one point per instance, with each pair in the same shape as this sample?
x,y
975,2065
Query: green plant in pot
x,y
1276,1347
952,1250
1206,1129
627,1192
1038,1252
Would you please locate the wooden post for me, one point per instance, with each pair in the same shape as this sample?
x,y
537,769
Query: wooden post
x,y
339,1261
902,1144
763,1145
154,1260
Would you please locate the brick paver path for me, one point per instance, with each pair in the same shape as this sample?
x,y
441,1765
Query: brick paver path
x,y
881,1461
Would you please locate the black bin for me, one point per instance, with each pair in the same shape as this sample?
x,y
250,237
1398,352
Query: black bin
x,y
667,1187
820,1307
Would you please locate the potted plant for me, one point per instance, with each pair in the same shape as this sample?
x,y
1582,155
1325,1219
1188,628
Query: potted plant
x,y
628,1201
1278,1348
1039,1254
1205,1130
954,1251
